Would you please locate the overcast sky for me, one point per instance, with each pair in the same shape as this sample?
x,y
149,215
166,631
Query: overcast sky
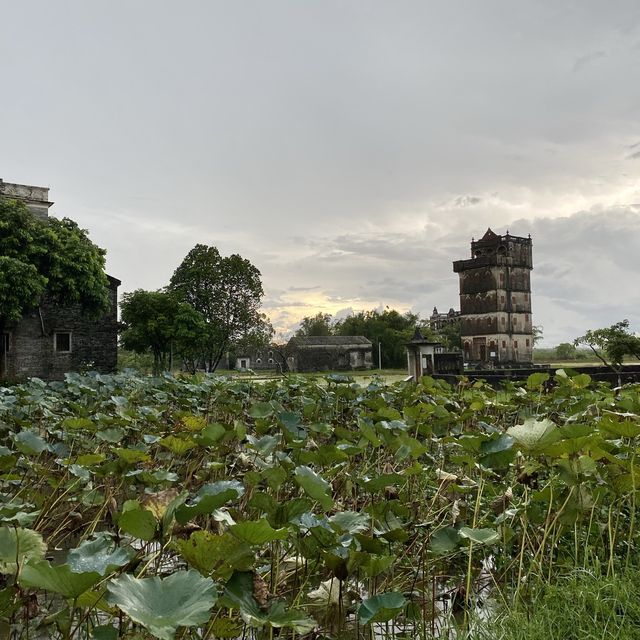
x,y
350,149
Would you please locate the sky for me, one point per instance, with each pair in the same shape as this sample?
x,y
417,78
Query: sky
x,y
350,149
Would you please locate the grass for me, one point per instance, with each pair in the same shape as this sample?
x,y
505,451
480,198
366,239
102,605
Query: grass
x,y
582,606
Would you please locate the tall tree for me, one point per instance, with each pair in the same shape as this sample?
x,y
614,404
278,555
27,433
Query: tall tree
x,y
318,325
390,329
157,322
226,291
46,257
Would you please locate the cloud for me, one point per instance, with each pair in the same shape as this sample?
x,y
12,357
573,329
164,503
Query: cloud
x,y
587,59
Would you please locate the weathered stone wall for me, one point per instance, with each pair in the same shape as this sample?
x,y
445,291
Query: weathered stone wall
x,y
94,343
329,358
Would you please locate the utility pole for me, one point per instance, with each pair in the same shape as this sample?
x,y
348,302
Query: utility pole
x,y
379,355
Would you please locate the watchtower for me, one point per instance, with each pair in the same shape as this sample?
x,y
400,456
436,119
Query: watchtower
x,y
495,300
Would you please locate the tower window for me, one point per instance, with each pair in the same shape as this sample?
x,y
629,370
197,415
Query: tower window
x,y
501,278
527,342
526,317
515,344
504,344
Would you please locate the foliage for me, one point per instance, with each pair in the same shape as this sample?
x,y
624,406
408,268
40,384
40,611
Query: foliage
x,y
580,606
449,335
318,325
565,351
157,322
222,508
611,344
538,333
226,292
389,327
49,257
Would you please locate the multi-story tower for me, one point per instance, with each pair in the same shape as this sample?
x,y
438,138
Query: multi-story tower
x,y
495,300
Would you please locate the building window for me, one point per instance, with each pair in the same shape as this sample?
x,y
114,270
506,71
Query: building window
x,y
513,301
501,278
270,360
271,354
504,344
527,342
526,317
62,341
504,320
258,360
489,322
502,299
526,297
515,344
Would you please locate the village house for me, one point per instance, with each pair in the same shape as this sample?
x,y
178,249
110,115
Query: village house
x,y
53,339
311,354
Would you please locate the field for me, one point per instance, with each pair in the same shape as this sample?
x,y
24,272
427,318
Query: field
x,y
307,507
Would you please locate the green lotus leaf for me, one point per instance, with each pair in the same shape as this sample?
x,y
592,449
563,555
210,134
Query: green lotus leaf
x,y
382,607
58,579
209,498
208,552
138,522
257,532
479,536
19,545
100,555
30,443
314,485
183,599
444,541
261,410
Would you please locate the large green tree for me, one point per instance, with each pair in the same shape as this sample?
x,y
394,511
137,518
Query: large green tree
x,y
157,322
611,344
389,328
46,257
318,325
227,291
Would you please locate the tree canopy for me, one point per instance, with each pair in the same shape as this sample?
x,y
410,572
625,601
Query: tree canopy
x,y
318,325
611,344
157,322
227,292
49,255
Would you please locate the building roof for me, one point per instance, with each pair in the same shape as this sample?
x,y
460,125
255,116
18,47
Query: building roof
x,y
329,341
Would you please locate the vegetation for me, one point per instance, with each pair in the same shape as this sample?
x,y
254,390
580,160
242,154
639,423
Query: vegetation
x,y
389,328
141,507
157,322
50,256
612,344
227,293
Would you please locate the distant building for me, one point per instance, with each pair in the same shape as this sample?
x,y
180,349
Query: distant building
x,y
495,300
329,353
438,321
426,358
54,339
269,358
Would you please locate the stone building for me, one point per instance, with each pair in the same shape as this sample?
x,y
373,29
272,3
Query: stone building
x,y
54,339
438,321
426,358
329,353
495,300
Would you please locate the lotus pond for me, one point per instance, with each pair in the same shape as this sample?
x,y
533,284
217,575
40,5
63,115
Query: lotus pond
x,y
137,507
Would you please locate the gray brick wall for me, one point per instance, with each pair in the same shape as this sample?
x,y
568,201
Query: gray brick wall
x,y
94,343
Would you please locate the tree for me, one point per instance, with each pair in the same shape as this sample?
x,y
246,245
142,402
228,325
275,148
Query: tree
x,y
537,331
566,351
610,345
227,292
450,334
390,329
46,257
157,322
318,325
